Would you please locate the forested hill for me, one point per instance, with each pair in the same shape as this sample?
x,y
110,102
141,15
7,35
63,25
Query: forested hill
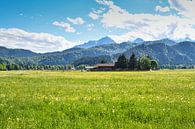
x,y
5,52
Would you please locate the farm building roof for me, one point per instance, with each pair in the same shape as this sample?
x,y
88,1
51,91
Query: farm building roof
x,y
104,65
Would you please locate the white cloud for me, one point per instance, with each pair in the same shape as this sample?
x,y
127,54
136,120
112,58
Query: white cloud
x,y
105,2
67,27
184,7
76,21
149,26
162,9
37,42
90,27
95,15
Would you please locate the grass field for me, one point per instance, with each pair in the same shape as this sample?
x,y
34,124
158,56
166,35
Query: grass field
x,y
97,100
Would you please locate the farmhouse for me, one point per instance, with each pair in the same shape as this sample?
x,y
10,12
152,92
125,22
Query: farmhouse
x,y
103,67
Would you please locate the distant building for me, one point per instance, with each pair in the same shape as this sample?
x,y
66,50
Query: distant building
x,y
88,68
103,67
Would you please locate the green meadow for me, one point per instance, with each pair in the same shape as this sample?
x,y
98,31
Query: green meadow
x,y
97,100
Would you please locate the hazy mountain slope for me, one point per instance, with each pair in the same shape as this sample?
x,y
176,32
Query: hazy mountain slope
x,y
93,60
165,41
186,49
163,53
71,55
5,52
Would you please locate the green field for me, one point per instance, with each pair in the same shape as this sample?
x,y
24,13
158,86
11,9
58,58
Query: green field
x,y
97,100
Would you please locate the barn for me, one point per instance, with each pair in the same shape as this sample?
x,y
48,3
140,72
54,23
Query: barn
x,y
103,67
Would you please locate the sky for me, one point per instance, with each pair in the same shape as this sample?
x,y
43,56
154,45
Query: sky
x,y
55,25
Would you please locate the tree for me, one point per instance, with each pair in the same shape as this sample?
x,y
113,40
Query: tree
x,y
2,67
132,64
154,64
121,62
8,67
81,67
68,67
144,63
102,61
16,67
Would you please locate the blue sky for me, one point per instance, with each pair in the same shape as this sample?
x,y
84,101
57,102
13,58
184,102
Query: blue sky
x,y
54,25
38,15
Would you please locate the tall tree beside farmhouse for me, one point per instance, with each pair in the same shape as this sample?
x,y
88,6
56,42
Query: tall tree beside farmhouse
x,y
144,63
154,64
132,64
121,62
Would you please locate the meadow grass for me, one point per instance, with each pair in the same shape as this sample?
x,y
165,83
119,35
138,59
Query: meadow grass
x,y
97,100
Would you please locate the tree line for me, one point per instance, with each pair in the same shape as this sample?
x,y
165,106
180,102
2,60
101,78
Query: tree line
x,y
8,67
4,67
134,63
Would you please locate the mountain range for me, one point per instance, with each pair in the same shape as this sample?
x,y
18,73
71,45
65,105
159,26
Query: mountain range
x,y
165,51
